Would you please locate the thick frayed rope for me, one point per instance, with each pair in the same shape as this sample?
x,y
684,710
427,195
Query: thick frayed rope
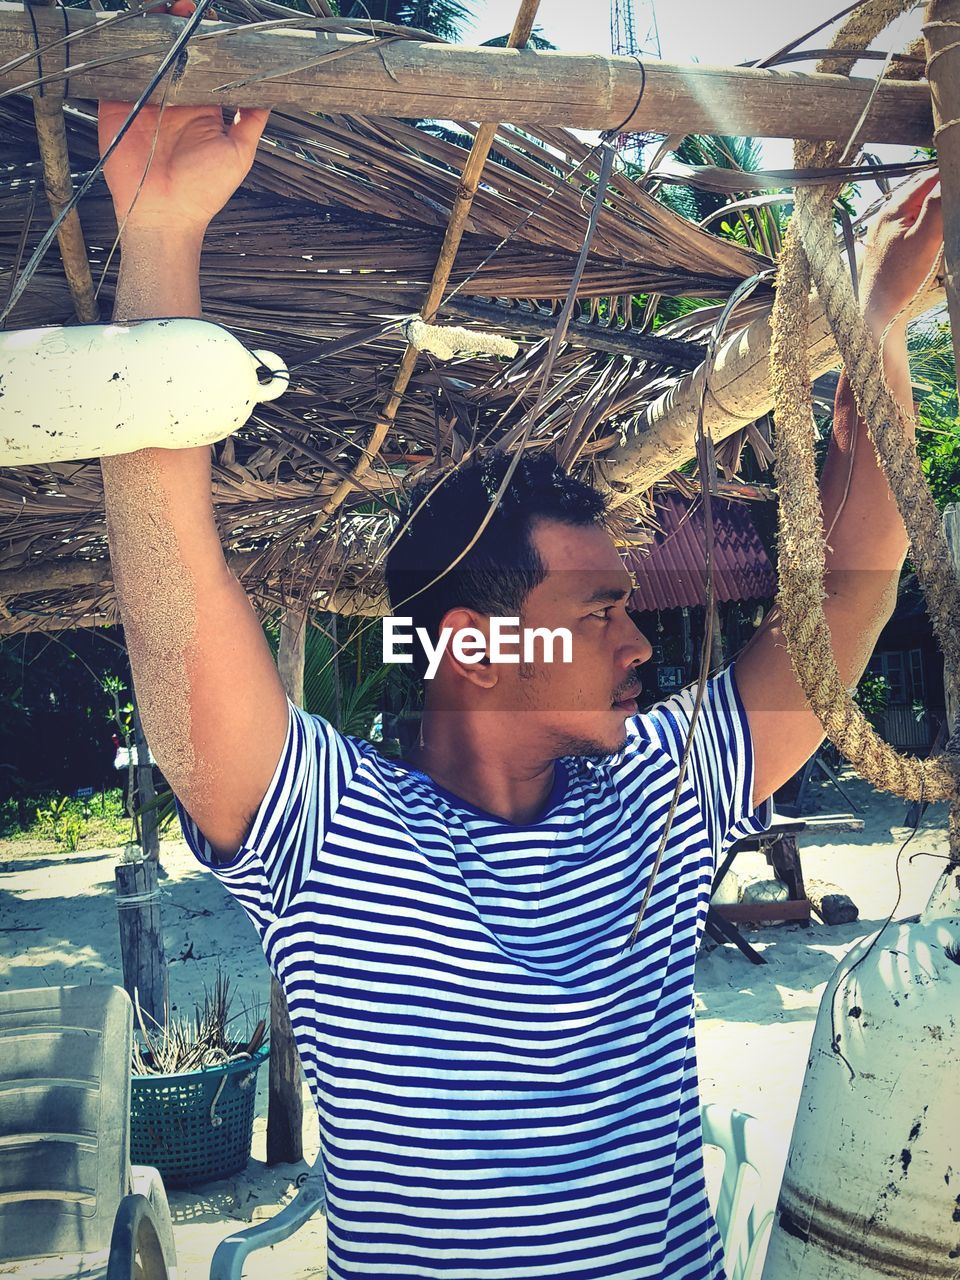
x,y
810,248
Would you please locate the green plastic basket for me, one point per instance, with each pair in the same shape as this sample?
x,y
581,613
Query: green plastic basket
x,y
197,1125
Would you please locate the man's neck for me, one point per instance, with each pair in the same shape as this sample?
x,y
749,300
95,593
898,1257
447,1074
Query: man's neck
x,y
508,790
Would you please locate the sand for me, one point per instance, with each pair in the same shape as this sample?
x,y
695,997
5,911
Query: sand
x,y
58,924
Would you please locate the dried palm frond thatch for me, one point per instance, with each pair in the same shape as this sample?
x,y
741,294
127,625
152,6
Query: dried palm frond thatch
x,y
336,233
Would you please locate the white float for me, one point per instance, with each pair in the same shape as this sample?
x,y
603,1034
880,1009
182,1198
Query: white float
x,y
872,1184
91,391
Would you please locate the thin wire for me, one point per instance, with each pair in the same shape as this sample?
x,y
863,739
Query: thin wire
x,y
172,56
555,340
609,134
704,455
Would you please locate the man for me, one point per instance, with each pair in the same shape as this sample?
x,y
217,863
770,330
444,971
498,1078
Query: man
x,y
506,1088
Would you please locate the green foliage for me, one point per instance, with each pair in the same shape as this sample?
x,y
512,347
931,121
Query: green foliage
x,y
872,696
537,41
447,19
51,819
99,820
934,376
346,691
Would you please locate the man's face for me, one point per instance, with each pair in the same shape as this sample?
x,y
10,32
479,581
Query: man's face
x,y
580,707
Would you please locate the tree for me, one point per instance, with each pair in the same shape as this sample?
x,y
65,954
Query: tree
x,y
934,373
444,18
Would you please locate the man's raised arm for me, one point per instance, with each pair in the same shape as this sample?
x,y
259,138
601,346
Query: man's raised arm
x,y
212,704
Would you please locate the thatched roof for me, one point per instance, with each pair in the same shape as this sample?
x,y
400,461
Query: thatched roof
x,y
337,230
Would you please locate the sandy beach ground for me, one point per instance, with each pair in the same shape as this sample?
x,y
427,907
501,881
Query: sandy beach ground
x,y
58,924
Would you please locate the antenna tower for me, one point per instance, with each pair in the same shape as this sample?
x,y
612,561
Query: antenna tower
x,y
634,32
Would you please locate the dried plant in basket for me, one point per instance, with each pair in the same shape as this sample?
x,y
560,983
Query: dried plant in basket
x,y
205,1040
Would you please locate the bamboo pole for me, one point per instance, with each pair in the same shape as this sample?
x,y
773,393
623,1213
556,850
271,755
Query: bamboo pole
x,y
335,73
52,141
469,182
58,185
593,337
65,574
941,32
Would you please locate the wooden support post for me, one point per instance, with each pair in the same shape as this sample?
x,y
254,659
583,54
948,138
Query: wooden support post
x,y
335,73
951,529
285,1101
941,30
146,796
141,936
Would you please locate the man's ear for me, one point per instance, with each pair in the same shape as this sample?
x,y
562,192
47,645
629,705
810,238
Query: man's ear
x,y
467,646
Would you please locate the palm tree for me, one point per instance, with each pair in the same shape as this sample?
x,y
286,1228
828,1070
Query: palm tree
x,y
444,18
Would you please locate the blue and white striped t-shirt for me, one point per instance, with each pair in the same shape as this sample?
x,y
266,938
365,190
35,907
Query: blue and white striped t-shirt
x,y
505,1089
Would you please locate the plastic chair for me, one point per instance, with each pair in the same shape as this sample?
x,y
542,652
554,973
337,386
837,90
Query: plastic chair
x,y
71,1204
739,1202
743,1199
232,1252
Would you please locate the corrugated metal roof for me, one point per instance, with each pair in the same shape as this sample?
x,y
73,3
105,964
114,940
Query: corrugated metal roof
x,y
669,572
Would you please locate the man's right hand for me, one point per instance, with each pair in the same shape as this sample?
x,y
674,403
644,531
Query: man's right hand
x,y
176,166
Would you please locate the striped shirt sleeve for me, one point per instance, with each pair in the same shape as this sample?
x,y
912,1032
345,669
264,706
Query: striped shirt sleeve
x,y
280,848
721,764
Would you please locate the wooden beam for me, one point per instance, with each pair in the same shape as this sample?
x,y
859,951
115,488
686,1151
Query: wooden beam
x,y
335,73
941,30
662,439
62,574
622,342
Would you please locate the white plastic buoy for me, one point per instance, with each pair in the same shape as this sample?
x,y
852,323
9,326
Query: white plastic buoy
x,y
92,391
872,1184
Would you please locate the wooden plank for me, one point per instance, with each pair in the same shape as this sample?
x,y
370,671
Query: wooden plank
x,y
761,912
335,73
830,822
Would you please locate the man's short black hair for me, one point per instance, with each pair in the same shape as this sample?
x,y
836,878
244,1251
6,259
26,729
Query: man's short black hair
x,y
502,567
